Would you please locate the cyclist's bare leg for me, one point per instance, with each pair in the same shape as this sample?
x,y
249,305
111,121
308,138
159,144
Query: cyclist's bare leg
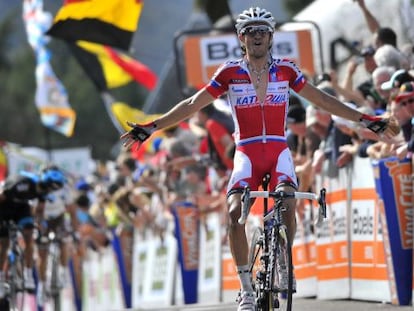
x,y
28,247
237,234
4,245
63,253
238,242
43,251
289,217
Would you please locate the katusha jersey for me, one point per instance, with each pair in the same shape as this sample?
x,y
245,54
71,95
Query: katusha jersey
x,y
233,77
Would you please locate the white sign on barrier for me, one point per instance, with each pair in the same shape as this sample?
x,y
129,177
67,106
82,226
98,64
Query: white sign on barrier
x,y
140,269
304,254
368,265
101,281
332,243
159,281
209,278
74,160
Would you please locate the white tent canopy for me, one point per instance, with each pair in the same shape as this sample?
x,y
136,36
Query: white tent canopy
x,y
344,18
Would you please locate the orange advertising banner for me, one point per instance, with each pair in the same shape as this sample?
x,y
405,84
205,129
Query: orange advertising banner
x,y
203,54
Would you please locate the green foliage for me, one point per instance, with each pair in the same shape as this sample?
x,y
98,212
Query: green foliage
x,y
295,6
19,118
215,9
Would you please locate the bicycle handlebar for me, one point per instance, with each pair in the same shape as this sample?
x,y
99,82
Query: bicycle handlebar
x,y
280,194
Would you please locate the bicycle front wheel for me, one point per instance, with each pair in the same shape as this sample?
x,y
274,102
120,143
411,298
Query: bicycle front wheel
x,y
284,280
15,280
257,268
53,274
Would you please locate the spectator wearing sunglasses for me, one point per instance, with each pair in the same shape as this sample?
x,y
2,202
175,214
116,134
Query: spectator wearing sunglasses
x,y
405,100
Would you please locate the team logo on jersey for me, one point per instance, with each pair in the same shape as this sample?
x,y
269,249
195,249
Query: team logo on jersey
x,y
236,89
271,99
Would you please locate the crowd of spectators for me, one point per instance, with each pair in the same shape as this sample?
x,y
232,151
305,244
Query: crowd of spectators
x,y
193,160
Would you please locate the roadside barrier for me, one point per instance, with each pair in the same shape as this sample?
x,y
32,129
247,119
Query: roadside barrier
x,y
362,251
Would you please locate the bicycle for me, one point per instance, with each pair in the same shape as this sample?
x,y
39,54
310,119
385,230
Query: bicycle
x,y
52,272
269,241
14,282
53,286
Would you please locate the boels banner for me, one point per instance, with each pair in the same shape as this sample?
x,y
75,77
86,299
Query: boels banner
x,y
187,232
395,190
204,53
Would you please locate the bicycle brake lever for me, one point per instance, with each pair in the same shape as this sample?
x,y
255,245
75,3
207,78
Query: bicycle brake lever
x,y
322,208
322,201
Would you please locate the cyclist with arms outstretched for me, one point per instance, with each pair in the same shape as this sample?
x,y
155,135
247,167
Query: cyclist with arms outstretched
x,y
257,87
16,197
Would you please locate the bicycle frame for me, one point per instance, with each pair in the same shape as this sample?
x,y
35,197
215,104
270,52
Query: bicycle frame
x,y
270,243
52,275
15,267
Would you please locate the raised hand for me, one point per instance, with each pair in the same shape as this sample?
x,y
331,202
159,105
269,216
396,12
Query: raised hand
x,y
139,132
381,125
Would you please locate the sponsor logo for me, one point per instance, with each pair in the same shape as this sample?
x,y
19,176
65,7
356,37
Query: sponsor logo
x,y
271,99
400,174
237,90
188,219
363,223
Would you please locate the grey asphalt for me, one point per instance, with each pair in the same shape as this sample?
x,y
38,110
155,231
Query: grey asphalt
x,y
305,304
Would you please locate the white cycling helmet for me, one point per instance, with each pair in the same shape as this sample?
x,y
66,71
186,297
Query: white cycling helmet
x,y
254,15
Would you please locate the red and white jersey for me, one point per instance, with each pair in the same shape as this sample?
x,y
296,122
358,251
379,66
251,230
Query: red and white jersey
x,y
233,77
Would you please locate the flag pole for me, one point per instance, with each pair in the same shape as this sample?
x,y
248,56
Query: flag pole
x,y
48,144
108,101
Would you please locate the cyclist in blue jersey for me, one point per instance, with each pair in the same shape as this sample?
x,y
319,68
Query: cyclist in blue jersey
x,y
16,198
51,218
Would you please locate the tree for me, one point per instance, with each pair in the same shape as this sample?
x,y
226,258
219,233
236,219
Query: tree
x,y
215,9
295,6
19,117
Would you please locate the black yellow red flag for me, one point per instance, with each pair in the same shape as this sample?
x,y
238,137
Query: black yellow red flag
x,y
108,22
108,68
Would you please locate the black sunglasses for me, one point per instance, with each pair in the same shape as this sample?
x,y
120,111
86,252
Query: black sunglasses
x,y
259,29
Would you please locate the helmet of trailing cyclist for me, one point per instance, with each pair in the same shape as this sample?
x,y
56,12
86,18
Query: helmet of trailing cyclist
x,y
53,178
254,15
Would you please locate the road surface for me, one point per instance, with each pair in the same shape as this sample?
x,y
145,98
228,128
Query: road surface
x,y
305,304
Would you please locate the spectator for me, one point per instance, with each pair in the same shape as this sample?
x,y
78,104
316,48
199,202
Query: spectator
x,y
388,56
408,51
91,234
219,128
359,143
129,170
381,35
379,97
345,89
302,142
18,193
403,117
405,99
331,137
182,133
398,78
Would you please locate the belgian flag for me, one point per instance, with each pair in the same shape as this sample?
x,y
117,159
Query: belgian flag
x,y
108,68
3,161
108,22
